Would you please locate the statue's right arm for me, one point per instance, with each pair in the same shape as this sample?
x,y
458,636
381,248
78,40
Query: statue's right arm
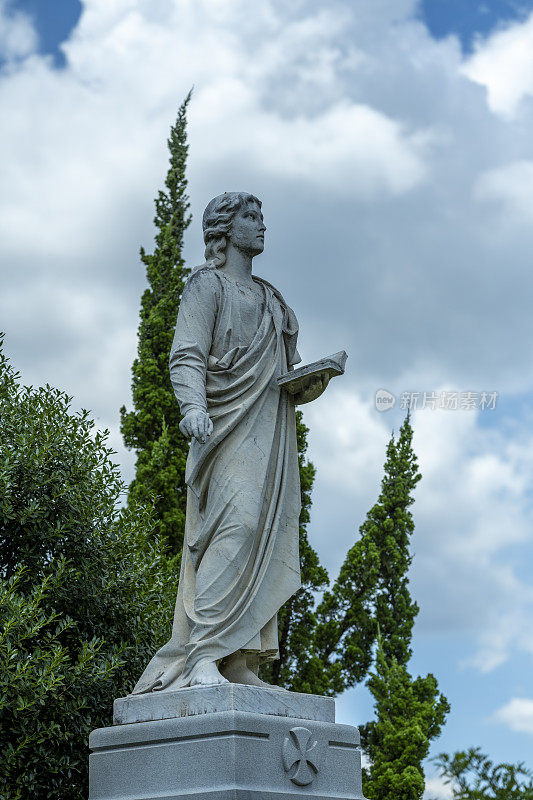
x,y
190,349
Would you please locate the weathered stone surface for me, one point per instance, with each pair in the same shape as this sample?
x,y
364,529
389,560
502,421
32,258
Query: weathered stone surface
x,y
196,700
234,345
226,756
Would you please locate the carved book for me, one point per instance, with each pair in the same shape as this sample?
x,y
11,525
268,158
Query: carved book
x,y
308,382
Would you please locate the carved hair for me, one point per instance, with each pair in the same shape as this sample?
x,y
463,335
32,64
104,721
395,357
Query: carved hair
x,y
217,222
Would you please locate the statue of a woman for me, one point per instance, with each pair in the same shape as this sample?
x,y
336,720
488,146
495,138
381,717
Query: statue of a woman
x,y
235,336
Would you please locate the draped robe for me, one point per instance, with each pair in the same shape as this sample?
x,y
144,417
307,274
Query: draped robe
x,y
240,559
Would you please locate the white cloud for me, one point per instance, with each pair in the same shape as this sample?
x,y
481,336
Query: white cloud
x,y
511,186
352,449
517,714
472,508
436,787
43,318
347,443
353,131
503,63
93,132
17,35
367,145
348,148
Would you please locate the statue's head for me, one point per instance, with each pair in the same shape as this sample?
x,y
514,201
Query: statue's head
x,y
232,217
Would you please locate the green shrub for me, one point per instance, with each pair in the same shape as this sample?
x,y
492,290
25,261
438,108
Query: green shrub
x,y
86,592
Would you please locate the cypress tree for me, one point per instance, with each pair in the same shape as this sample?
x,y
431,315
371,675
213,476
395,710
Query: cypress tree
x,y
410,711
152,428
341,641
409,714
390,525
369,608
368,604
372,587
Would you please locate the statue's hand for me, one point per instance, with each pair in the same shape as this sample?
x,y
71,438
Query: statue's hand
x,y
314,389
196,423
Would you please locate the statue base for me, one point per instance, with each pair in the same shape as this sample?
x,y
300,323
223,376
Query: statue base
x,y
229,742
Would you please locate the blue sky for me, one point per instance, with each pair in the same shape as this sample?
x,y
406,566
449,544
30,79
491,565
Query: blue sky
x,y
53,23
470,18
390,142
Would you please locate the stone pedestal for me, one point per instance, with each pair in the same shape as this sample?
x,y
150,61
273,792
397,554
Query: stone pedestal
x,y
229,742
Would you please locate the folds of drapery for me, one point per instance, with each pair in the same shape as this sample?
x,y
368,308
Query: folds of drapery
x,y
240,560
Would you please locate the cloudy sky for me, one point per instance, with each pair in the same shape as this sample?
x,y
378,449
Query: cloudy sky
x,y
391,144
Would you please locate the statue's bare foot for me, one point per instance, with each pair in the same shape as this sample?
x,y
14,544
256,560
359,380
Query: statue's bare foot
x,y
206,674
236,670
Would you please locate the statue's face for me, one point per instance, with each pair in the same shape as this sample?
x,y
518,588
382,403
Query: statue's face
x,y
248,230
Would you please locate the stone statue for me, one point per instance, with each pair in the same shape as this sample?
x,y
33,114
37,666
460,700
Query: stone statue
x,y
200,723
235,337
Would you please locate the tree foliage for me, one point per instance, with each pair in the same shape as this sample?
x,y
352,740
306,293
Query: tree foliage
x,y
409,714
369,605
83,590
471,775
372,587
152,428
